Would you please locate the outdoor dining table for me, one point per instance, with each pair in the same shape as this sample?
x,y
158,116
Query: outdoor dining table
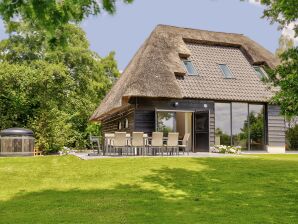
x,y
108,142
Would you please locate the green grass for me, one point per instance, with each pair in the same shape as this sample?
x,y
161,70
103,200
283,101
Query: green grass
x,y
53,189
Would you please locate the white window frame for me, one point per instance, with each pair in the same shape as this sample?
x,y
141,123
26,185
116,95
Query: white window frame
x,y
195,70
224,74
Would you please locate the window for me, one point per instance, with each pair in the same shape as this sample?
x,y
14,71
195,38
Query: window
x,y
260,72
126,123
189,67
256,126
240,124
166,122
226,71
240,129
222,124
119,125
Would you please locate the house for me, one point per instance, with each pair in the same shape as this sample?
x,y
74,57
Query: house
x,y
193,81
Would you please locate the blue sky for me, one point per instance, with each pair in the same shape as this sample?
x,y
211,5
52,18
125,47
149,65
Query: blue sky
x,y
125,31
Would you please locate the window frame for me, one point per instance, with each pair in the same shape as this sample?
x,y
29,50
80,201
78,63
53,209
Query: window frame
x,y
194,69
261,70
265,121
223,72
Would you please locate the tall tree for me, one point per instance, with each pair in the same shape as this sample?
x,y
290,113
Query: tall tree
x,y
284,43
52,90
52,15
285,76
283,12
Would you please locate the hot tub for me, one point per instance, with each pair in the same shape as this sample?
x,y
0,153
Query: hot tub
x,y
16,142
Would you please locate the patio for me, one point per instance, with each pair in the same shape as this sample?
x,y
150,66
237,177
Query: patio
x,y
88,156
141,144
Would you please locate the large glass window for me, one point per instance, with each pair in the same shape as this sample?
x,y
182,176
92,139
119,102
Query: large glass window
x,y
240,125
166,122
223,124
256,126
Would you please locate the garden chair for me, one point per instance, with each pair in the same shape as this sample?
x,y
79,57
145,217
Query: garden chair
x,y
157,143
95,144
137,142
120,142
172,143
108,143
185,143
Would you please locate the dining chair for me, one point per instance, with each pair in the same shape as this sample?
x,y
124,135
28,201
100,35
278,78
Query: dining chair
x,y
146,144
108,143
120,142
156,143
137,143
185,143
172,143
95,144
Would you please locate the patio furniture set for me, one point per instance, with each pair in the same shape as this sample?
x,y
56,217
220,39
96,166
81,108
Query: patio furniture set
x,y
140,144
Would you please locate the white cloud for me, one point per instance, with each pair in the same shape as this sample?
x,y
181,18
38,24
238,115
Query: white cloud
x,y
256,2
289,32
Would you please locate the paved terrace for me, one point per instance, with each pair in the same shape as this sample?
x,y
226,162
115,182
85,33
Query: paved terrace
x,y
86,156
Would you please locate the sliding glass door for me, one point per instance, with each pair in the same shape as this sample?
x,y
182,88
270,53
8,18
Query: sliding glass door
x,y
240,132
240,124
256,127
222,124
166,122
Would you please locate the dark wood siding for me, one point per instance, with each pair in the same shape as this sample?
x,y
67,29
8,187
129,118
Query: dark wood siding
x,y
145,120
145,112
276,126
169,104
211,128
110,124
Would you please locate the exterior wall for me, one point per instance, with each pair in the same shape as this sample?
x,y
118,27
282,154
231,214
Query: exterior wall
x,y
211,128
276,130
110,124
141,117
145,121
145,112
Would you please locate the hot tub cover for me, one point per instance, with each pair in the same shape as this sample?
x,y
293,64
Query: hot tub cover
x,y
16,132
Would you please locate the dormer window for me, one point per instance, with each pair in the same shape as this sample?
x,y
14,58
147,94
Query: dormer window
x,y
189,67
260,72
226,71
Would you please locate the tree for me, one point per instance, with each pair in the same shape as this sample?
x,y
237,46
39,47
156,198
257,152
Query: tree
x,y
285,76
285,43
282,12
52,90
51,16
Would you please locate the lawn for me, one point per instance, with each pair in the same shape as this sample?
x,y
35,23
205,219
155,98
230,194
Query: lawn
x,y
65,189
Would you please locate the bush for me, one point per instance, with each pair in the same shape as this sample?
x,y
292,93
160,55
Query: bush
x,y
292,138
226,149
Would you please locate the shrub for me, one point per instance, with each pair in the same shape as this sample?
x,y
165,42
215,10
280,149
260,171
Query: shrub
x,y
292,138
226,149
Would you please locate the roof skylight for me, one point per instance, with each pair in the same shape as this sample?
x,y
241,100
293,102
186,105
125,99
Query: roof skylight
x,y
226,71
189,67
260,72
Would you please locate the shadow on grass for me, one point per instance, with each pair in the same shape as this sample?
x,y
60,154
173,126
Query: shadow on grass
x,y
230,191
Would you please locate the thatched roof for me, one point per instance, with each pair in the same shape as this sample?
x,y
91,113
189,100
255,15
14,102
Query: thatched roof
x,y
154,69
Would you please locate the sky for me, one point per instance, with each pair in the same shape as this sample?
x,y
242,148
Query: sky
x,y
125,31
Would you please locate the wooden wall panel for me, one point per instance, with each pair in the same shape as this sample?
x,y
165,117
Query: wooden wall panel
x,y
110,124
276,126
145,121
